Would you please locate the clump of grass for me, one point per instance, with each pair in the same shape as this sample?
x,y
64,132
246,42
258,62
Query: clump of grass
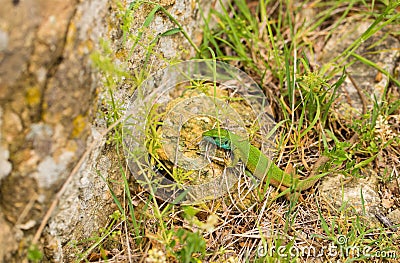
x,y
275,49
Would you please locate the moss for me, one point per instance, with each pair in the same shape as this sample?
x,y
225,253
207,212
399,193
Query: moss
x,y
33,96
79,124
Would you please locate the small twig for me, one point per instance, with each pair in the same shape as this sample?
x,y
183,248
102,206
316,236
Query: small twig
x,y
26,210
66,183
359,91
126,230
322,160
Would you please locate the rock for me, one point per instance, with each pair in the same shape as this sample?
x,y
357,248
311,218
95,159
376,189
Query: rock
x,y
394,216
5,165
338,192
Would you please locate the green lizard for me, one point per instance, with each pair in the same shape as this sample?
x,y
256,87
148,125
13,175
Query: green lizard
x,y
259,164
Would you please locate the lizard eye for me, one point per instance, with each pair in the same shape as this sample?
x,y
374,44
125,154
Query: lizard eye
x,y
226,145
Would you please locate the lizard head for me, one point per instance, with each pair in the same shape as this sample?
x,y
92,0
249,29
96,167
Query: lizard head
x,y
218,137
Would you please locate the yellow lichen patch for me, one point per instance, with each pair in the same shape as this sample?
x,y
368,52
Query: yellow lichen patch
x,y
33,96
165,3
121,54
71,36
71,146
79,124
85,47
45,115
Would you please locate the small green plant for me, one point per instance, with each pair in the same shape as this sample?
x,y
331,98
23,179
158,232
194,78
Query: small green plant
x,y
105,239
191,245
34,254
